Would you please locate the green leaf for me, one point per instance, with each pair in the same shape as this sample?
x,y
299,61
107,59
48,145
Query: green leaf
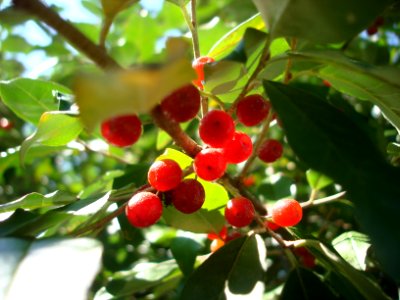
x,y
353,247
235,270
180,3
29,98
377,84
185,251
226,44
132,91
328,141
143,276
319,21
357,280
112,7
75,261
12,16
15,43
54,129
305,284
35,200
317,180
393,148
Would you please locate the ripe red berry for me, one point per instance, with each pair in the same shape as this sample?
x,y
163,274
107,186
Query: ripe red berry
x,y
183,104
188,196
271,225
270,151
144,209
372,30
252,109
122,131
239,212
198,66
238,149
286,212
307,259
249,180
221,235
164,175
216,128
210,164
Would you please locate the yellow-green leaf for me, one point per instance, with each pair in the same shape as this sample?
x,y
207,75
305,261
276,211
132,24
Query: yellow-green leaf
x,y
128,92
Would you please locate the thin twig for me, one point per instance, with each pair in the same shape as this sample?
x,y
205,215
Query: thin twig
x,y
288,75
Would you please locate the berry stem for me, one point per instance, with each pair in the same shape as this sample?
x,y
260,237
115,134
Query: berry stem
x,y
323,200
287,76
176,132
264,57
257,144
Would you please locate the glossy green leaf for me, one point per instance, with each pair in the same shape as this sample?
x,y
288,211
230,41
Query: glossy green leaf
x,y
304,284
353,247
54,129
233,37
235,270
335,141
35,200
29,98
326,21
133,91
317,180
357,280
185,251
75,261
377,84
143,276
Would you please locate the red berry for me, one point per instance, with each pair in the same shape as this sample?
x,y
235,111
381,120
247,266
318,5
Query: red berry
x,y
183,104
216,128
270,151
372,30
252,109
239,212
233,235
198,66
249,180
122,131
188,196
164,175
271,225
210,164
286,212
216,244
326,83
238,149
144,209
305,257
379,21
221,235
6,124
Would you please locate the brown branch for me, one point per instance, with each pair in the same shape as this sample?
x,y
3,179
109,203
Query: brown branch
x,y
175,131
66,29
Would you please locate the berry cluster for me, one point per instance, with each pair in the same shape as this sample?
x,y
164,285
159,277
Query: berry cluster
x,y
223,145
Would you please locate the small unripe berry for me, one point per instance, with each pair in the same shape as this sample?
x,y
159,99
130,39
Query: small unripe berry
x,y
122,131
286,212
216,128
216,244
188,196
210,164
198,66
183,104
238,149
239,212
164,175
144,209
270,151
252,109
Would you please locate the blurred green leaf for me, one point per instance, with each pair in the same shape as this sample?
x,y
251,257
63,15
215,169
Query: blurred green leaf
x,y
75,261
112,7
35,200
30,98
132,91
15,43
143,276
319,21
235,270
317,180
179,2
353,247
393,148
54,129
226,44
329,142
11,16
305,284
